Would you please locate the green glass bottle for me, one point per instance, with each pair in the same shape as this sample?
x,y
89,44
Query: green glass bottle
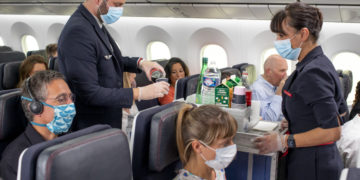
x,y
200,81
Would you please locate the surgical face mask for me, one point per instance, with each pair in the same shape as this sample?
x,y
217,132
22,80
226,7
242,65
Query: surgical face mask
x,y
63,117
223,158
113,14
285,50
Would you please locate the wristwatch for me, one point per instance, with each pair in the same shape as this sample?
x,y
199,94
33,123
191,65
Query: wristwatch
x,y
291,141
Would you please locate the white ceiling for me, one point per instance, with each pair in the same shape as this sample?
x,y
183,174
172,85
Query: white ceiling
x,y
333,10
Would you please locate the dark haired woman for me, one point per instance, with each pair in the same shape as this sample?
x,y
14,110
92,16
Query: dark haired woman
x,y
312,98
175,69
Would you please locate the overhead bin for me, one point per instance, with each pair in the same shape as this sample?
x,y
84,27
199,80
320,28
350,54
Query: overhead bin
x,y
330,13
148,10
350,13
237,11
261,11
209,11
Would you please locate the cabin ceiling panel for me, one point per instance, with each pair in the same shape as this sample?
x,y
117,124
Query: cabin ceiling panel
x,y
261,12
146,10
330,13
350,14
237,11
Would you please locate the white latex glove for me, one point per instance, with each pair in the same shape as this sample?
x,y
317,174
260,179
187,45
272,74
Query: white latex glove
x,y
146,66
153,91
270,143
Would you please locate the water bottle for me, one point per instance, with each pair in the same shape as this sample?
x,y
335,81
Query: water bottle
x,y
211,79
200,80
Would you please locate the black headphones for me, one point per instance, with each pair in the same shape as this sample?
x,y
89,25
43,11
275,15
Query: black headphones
x,y
36,107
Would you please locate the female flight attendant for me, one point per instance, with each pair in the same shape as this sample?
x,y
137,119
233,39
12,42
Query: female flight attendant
x,y
312,98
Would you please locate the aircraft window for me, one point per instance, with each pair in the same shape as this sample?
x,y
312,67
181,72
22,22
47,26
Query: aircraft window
x,y
29,43
1,42
349,61
269,52
157,50
215,53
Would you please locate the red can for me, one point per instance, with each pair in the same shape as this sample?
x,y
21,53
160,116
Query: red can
x,y
248,97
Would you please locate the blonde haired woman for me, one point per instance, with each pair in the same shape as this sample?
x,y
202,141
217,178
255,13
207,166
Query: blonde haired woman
x,y
204,138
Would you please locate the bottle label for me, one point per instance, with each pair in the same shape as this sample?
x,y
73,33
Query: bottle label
x,y
211,82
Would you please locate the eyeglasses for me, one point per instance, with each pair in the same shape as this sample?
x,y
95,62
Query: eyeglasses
x,y
64,98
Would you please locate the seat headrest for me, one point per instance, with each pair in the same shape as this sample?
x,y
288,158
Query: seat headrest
x,y
163,149
12,117
101,155
5,48
141,79
191,85
345,77
40,52
29,159
10,75
11,56
231,71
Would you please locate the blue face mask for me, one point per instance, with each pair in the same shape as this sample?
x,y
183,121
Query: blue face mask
x,y
113,14
285,50
63,117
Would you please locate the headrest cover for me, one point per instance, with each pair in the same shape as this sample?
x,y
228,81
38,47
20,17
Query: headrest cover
x,y
12,117
163,149
11,75
102,155
11,56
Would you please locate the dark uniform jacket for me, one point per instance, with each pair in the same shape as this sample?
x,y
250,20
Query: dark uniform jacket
x,y
9,162
312,98
93,66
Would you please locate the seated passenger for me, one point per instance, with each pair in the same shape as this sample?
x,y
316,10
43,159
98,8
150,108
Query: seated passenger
x,y
129,114
267,88
175,69
349,143
51,51
204,137
31,65
49,117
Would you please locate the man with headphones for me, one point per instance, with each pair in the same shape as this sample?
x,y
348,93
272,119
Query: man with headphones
x,y
48,105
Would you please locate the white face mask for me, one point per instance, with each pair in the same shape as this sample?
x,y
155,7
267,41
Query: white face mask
x,y
224,156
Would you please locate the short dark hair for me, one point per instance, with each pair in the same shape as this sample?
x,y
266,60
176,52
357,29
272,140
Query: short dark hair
x,y
173,61
50,50
37,86
300,15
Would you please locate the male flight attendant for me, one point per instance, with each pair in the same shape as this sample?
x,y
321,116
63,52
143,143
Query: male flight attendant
x,y
93,66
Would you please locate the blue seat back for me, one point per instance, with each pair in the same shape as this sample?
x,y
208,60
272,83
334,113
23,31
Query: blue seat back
x,y
9,77
154,151
28,162
12,117
100,155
